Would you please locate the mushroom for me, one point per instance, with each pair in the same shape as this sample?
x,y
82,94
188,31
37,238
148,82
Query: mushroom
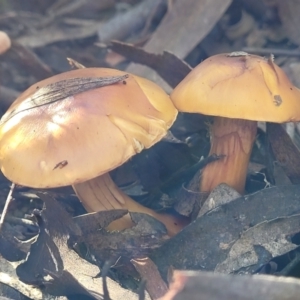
x,y
238,89
53,136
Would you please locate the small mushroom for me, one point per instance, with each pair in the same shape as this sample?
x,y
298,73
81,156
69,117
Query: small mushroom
x,y
51,137
238,89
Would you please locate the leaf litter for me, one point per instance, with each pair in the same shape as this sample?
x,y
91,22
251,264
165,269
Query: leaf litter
x,y
232,234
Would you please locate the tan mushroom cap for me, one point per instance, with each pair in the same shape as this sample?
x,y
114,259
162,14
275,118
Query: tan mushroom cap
x,y
85,135
239,85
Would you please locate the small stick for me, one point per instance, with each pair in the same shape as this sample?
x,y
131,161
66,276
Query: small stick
x,y
8,199
274,51
148,271
75,64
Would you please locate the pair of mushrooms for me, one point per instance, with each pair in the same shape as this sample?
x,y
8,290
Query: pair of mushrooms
x,y
77,138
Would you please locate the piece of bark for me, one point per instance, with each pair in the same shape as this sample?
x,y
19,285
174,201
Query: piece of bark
x,y
188,285
285,151
183,27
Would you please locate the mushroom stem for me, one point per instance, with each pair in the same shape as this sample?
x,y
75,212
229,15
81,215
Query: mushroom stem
x,y
101,193
234,139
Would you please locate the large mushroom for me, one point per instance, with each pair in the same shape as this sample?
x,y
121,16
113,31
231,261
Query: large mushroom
x,y
238,89
56,134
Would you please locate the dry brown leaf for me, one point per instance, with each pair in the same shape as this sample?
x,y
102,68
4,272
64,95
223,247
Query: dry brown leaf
x,y
183,27
207,241
171,68
53,263
259,244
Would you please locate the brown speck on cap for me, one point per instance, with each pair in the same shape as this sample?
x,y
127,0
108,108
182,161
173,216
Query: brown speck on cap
x,y
277,100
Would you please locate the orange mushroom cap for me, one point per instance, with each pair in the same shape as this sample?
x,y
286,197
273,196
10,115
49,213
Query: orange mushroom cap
x,y
239,85
84,135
